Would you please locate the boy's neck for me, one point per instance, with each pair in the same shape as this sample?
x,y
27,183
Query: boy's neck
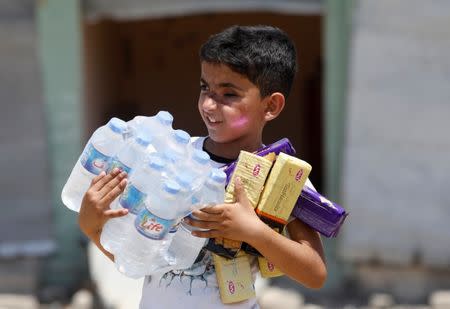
x,y
231,150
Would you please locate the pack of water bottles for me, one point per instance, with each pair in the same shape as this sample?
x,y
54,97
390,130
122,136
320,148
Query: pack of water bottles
x,y
167,179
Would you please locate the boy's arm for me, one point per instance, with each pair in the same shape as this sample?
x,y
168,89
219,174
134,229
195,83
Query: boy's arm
x,y
300,257
95,211
96,240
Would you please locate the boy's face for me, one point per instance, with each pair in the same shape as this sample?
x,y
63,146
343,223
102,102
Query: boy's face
x,y
230,105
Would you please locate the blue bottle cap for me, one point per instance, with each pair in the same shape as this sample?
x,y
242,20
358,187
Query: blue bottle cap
x,y
182,137
171,187
157,163
218,175
117,125
200,156
165,118
143,140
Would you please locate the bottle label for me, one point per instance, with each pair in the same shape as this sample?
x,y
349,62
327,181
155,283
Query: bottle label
x,y
93,160
116,163
152,226
132,199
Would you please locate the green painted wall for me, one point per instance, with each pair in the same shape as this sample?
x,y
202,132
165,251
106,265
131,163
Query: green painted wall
x,y
337,45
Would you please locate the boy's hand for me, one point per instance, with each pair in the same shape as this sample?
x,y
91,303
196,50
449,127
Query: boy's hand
x,y
236,221
95,211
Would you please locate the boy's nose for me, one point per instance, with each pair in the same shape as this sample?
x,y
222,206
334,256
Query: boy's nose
x,y
209,104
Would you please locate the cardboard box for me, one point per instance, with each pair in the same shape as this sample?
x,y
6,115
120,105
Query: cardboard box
x,y
234,278
281,191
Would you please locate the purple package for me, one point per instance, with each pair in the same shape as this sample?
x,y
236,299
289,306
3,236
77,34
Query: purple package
x,y
311,208
283,145
319,213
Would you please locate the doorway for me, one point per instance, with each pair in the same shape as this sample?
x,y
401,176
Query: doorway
x,y
138,67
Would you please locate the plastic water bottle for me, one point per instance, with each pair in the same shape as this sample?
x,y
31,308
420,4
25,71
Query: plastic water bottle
x,y
213,190
131,153
186,179
102,145
140,255
158,126
176,147
141,182
160,214
185,247
199,164
115,231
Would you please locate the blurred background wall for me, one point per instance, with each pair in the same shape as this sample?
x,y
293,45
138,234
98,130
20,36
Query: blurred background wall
x,y
367,110
25,222
396,164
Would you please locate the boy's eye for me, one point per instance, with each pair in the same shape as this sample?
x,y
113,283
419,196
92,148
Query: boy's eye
x,y
229,95
203,87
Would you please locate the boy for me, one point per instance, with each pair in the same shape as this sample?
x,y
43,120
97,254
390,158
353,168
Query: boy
x,y
246,75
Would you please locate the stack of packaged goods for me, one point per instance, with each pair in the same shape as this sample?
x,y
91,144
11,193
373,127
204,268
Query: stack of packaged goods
x,y
168,179
274,182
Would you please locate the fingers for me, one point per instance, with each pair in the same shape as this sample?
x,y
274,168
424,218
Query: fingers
x,y
111,184
105,179
202,224
110,196
239,191
207,234
97,178
115,213
206,216
213,209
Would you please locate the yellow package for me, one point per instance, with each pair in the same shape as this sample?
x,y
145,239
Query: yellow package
x,y
253,171
234,278
283,187
267,269
232,244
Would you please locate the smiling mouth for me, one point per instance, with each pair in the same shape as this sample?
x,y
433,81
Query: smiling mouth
x,y
212,120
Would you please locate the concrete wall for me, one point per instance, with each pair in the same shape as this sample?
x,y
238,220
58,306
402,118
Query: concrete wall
x,y
24,189
396,175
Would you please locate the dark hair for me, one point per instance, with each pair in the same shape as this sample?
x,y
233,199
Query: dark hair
x,y
264,54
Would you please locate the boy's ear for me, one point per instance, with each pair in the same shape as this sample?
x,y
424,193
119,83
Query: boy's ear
x,y
274,106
